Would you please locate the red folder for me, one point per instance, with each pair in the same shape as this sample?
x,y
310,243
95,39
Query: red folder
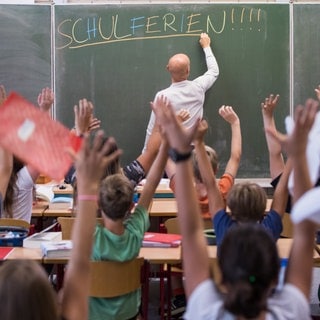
x,y
4,251
32,136
155,239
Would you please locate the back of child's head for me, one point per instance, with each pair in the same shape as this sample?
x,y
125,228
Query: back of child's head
x,y
25,292
247,202
116,196
213,158
249,265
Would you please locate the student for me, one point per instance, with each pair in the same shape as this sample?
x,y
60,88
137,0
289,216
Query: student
x,y
246,201
19,196
184,93
120,238
5,161
276,161
25,291
226,182
248,259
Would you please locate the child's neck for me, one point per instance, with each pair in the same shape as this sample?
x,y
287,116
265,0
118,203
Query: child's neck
x,y
115,227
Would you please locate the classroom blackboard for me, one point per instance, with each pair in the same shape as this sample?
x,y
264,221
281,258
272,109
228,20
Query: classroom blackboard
x,y
25,49
306,51
115,55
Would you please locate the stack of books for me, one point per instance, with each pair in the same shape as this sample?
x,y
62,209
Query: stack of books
x,y
57,249
161,240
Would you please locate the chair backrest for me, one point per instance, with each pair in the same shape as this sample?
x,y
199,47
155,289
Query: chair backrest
x,y
287,231
10,222
66,224
112,278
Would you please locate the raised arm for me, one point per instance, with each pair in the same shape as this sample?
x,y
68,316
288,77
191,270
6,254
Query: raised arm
x,y
281,192
45,99
209,179
276,162
196,262
317,91
299,270
156,171
211,75
228,114
90,165
82,116
6,159
45,102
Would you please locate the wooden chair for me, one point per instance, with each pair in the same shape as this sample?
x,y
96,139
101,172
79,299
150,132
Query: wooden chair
x,y
287,231
112,278
4,222
66,224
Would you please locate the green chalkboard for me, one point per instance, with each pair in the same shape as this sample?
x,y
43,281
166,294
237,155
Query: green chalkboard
x,y
306,51
115,55
25,49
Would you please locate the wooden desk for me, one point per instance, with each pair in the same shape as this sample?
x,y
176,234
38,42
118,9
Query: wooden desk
x,y
161,255
163,208
168,207
25,253
68,190
58,210
283,245
38,208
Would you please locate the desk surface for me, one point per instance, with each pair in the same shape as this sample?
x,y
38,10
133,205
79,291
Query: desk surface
x,y
153,255
25,253
58,210
168,207
38,208
62,189
283,245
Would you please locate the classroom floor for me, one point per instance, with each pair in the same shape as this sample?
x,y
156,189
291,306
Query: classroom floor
x,y
154,298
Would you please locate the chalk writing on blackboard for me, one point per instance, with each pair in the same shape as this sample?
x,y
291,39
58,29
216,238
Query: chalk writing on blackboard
x,y
74,33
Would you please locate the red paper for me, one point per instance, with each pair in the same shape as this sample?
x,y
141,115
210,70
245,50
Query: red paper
x,y
4,251
157,239
32,136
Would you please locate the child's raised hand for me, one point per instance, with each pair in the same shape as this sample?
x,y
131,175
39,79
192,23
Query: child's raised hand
x,y
317,91
178,137
295,143
3,94
45,99
82,116
228,114
201,131
183,115
269,104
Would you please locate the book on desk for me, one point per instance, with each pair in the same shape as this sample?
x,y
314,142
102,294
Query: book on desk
x,y
35,240
56,249
161,240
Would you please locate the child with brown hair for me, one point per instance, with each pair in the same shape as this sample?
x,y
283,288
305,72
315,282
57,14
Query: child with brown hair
x,y
120,237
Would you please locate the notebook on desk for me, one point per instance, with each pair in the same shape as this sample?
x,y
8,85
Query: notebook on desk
x,y
161,240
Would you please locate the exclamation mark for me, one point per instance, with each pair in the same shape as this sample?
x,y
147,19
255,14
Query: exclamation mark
x,y
258,16
242,14
250,18
232,18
